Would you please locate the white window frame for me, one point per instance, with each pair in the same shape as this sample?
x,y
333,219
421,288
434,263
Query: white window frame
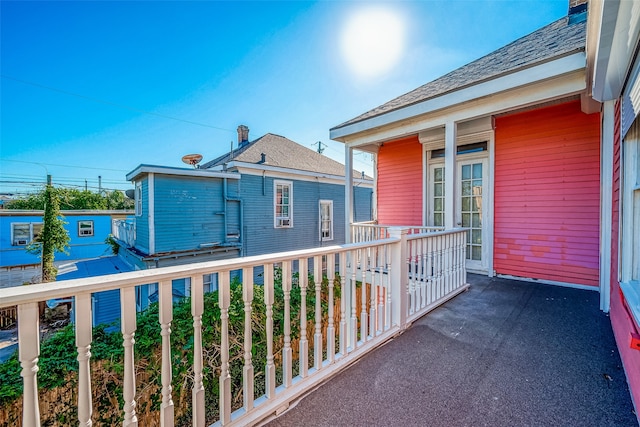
x,y
31,237
320,220
138,198
282,221
89,231
629,256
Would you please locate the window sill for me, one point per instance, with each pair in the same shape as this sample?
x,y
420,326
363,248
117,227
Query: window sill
x,y
631,292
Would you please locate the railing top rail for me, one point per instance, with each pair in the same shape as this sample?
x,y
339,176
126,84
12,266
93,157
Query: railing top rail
x,y
46,291
435,233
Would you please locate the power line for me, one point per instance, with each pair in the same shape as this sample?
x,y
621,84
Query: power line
x,y
64,166
113,104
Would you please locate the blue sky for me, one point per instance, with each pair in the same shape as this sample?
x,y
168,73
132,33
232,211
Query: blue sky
x,y
94,89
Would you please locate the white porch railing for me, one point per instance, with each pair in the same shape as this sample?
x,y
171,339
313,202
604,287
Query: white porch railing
x,y
368,231
125,231
398,279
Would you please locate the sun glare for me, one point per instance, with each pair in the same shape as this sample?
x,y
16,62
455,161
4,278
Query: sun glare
x,y
372,41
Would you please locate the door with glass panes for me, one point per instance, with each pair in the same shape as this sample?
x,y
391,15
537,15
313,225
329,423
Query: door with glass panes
x,y
471,210
436,192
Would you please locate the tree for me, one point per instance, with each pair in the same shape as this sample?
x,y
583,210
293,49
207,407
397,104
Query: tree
x,y
71,199
54,237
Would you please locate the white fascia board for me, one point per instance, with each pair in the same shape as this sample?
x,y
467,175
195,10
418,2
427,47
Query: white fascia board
x,y
164,170
286,173
540,92
616,39
526,77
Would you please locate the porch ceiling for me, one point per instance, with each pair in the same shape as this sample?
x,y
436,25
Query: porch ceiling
x,y
504,353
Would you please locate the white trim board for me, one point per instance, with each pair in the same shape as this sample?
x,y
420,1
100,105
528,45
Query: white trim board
x,y
527,96
164,170
518,79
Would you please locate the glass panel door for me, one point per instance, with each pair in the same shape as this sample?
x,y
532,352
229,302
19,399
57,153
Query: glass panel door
x,y
436,195
472,188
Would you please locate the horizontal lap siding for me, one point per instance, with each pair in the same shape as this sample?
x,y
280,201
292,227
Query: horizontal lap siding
x,y
547,195
400,182
189,211
621,321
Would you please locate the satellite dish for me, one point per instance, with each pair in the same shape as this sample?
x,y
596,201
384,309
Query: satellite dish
x,y
192,159
130,193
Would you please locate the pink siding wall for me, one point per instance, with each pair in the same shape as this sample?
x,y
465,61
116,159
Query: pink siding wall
x,y
621,320
400,182
547,194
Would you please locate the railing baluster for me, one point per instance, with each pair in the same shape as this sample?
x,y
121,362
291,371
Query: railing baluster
x,y
303,279
343,304
412,275
270,368
438,266
128,319
287,353
247,370
331,332
197,393
353,324
380,287
317,336
29,351
363,294
372,292
422,273
224,300
387,263
165,310
429,271
84,325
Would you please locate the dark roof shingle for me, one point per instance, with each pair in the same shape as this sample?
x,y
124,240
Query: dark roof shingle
x,y
557,39
280,152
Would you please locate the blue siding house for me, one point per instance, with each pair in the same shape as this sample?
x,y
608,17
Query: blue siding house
x,y
87,230
268,195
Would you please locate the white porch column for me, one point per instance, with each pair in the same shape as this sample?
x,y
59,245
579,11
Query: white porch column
x,y
606,202
374,196
450,175
348,192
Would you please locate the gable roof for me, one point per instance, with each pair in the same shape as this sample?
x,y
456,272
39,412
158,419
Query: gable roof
x,y
560,38
280,152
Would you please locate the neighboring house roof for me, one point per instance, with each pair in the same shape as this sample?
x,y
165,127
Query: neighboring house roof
x,y
281,152
92,268
560,38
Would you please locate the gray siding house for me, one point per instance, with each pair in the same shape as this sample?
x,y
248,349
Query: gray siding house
x,y
268,195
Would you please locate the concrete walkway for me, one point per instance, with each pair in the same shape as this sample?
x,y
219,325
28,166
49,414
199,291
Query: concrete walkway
x,y
505,353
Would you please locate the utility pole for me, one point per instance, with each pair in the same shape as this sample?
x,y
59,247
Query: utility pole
x,y
320,144
99,184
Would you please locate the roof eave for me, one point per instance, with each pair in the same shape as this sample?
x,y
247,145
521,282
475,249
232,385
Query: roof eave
x,y
165,170
567,63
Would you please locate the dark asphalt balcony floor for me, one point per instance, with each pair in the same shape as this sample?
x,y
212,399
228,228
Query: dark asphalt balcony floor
x,y
505,353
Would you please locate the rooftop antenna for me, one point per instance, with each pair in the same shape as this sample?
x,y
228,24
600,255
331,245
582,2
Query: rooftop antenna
x,y
320,144
192,159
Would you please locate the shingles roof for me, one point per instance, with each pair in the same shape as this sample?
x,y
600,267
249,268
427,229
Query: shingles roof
x,y
281,152
557,39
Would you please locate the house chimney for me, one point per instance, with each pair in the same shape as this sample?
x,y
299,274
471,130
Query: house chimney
x,y
577,6
263,158
243,135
